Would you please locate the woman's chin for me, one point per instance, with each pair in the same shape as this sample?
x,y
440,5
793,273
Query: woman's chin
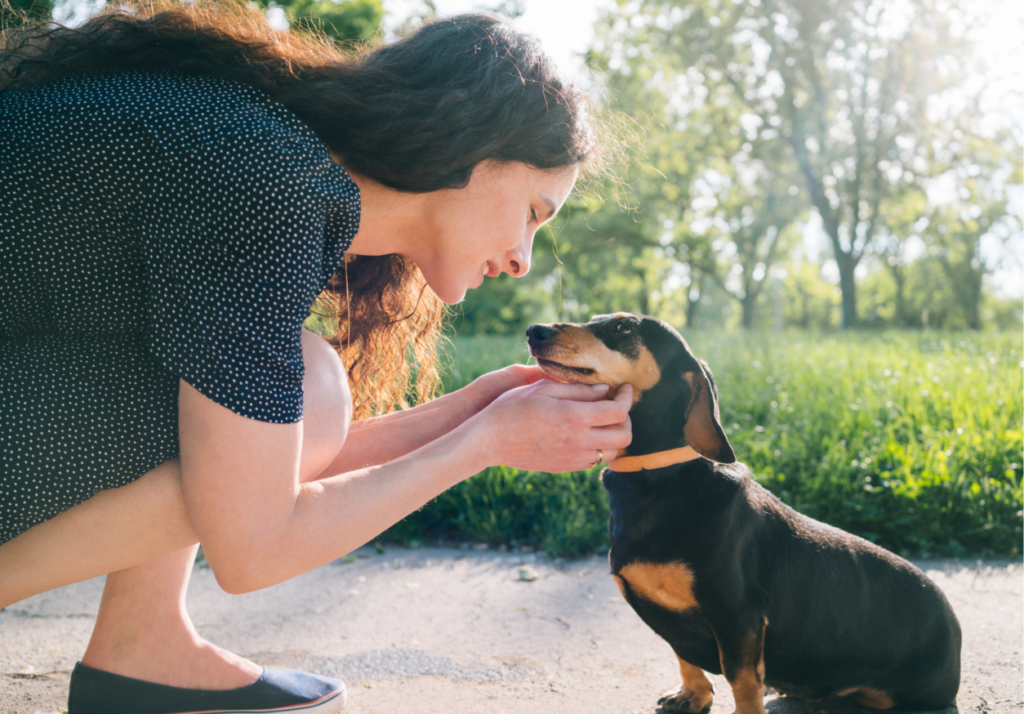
x,y
451,294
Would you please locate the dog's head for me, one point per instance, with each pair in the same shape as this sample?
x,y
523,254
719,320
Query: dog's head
x,y
675,402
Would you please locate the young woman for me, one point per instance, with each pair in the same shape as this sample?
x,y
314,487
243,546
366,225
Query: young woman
x,y
178,185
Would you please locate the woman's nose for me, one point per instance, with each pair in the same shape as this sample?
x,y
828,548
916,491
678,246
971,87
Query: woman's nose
x,y
517,261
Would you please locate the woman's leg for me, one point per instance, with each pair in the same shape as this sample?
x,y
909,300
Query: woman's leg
x,y
141,535
143,631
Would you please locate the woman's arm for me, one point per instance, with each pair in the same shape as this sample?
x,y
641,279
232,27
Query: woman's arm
x,y
385,438
152,516
259,525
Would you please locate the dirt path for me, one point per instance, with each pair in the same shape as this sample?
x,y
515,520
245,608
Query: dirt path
x,y
450,630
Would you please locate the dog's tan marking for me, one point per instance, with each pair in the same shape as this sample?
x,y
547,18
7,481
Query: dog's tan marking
x,y
748,687
869,697
669,585
576,346
695,694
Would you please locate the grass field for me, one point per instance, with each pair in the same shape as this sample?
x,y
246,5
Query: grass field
x,y
910,439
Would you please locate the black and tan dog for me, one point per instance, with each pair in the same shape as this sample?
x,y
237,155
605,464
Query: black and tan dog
x,y
734,580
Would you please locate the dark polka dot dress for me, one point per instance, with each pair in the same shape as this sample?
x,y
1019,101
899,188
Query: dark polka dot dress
x,y
153,227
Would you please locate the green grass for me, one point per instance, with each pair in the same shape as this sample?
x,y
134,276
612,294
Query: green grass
x,y
911,440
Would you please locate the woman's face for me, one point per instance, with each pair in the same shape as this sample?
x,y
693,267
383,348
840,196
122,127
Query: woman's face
x,y
487,227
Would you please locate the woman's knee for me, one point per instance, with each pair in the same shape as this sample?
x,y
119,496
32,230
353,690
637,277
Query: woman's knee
x,y
327,405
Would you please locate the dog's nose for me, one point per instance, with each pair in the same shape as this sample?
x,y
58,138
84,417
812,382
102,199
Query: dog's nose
x,y
538,333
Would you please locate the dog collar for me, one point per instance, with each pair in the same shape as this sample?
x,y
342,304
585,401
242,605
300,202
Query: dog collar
x,y
657,460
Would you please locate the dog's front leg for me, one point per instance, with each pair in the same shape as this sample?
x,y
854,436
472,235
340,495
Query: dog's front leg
x,y
741,649
695,694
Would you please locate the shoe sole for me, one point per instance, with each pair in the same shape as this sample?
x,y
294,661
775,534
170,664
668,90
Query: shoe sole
x,y
330,704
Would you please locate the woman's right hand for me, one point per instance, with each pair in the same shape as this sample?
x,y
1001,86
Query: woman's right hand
x,y
554,427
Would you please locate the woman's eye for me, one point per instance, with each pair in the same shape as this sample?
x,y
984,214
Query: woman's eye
x,y
533,215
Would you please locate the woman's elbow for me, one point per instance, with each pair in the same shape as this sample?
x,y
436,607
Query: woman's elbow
x,y
240,571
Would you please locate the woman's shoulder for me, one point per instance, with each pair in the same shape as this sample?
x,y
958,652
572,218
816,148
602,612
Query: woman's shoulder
x,y
169,98
134,88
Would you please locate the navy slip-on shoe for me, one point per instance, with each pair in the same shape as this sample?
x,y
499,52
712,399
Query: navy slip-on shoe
x,y
96,692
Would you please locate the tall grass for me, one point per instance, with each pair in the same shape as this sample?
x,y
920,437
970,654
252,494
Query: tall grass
x,y
911,440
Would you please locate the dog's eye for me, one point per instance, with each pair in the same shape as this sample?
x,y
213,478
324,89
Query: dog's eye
x,y
623,328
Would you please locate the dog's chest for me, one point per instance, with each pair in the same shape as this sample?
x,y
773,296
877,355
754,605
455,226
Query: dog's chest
x,y
668,585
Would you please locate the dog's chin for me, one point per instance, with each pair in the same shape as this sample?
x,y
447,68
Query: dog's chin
x,y
565,373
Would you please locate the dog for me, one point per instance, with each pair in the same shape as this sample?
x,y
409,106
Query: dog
x,y
734,580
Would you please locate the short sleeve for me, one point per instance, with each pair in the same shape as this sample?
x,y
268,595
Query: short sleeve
x,y
247,219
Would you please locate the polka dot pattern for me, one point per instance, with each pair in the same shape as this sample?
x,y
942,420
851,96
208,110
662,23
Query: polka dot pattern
x,y
153,227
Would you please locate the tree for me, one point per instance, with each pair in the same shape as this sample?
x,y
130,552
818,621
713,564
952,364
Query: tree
x,y
757,208
954,234
846,83
348,21
902,221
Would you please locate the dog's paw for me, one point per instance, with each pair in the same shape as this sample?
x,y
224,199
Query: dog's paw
x,y
682,699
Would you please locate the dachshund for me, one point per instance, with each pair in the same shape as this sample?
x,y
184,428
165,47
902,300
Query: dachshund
x,y
737,582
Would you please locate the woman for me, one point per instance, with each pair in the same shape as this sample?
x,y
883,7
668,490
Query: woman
x,y
177,186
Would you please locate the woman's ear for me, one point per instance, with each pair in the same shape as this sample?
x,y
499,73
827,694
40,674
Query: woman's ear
x,y
703,430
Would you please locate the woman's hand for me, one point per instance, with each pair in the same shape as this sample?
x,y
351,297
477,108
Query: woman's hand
x,y
485,389
553,427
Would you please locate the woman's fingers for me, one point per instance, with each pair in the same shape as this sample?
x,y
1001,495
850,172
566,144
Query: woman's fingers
x,y
573,392
529,373
559,427
612,411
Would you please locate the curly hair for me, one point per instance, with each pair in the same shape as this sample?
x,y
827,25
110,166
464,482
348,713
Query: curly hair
x,y
417,115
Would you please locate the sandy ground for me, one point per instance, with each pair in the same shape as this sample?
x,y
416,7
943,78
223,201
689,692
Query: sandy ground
x,y
443,630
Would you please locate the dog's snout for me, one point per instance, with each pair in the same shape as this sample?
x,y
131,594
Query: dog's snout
x,y
539,333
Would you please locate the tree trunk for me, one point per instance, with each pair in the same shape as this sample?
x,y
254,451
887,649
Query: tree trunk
x,y
848,286
691,304
749,300
972,304
902,319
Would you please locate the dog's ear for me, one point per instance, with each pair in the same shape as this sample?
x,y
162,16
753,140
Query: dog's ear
x,y
703,430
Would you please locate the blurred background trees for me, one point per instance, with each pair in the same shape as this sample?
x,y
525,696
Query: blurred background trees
x,y
815,164
810,163
348,21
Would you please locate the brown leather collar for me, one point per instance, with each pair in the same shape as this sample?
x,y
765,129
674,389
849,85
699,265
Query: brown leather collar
x,y
658,460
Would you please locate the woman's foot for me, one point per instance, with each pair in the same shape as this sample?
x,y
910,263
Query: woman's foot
x,y
195,664
144,632
275,692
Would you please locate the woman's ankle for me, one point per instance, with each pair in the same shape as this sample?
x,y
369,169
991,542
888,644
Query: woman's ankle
x,y
192,665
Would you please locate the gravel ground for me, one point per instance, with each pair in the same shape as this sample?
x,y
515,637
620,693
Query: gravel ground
x,y
444,630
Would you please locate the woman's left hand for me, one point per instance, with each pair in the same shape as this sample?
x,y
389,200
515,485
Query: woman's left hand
x,y
485,389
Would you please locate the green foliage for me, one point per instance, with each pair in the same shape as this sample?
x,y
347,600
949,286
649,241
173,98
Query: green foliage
x,y
565,514
911,440
14,12
349,21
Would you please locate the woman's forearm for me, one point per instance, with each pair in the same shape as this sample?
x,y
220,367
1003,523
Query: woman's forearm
x,y
385,438
148,518
335,515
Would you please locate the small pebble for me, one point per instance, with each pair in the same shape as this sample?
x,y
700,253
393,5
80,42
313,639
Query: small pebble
x,y
528,573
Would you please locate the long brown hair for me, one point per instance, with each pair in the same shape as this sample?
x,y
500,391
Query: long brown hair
x,y
417,115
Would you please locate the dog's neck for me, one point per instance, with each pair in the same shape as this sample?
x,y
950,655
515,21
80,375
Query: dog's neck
x,y
656,460
658,439
658,419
